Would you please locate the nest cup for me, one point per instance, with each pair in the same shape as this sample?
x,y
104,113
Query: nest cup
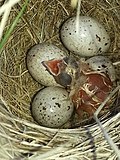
x,y
21,136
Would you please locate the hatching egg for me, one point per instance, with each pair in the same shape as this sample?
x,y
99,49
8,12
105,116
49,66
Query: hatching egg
x,y
37,54
52,107
86,37
102,64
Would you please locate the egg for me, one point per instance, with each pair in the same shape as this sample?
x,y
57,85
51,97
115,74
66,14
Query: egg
x,y
39,53
52,107
102,64
89,39
63,70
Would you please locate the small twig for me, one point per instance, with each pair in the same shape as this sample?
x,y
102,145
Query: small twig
x,y
111,143
116,63
108,138
9,31
4,20
6,8
7,5
77,16
74,3
17,76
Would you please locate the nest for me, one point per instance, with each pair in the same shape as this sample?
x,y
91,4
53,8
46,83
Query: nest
x,y
21,136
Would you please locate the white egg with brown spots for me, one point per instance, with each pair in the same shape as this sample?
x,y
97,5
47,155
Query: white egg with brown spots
x,y
102,64
37,54
52,107
87,39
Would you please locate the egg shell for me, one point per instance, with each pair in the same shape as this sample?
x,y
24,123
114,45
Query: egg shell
x,y
102,64
89,39
37,54
51,107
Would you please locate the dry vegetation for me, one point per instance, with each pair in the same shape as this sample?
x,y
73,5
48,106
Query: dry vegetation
x,y
21,136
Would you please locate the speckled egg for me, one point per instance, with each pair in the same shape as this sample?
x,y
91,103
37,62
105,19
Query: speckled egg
x,y
89,39
51,107
37,54
102,64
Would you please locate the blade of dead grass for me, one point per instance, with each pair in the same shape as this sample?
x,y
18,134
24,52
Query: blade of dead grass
x,y
11,28
107,137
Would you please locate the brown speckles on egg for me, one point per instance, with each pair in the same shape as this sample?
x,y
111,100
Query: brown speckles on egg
x,y
58,104
68,108
98,38
91,35
52,107
106,44
44,108
98,69
37,54
89,48
100,49
102,64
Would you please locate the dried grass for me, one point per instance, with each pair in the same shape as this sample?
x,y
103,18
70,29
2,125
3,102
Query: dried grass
x,y
21,137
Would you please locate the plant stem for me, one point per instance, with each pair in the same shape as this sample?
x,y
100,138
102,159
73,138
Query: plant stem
x,y
11,28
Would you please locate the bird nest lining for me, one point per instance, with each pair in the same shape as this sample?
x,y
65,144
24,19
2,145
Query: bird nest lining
x,y
21,136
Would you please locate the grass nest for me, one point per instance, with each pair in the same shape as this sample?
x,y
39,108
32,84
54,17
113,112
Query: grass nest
x,y
21,136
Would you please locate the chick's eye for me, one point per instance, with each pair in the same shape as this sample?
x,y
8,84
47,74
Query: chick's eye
x,y
64,79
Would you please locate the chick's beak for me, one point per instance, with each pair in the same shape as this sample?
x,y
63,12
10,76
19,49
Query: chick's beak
x,y
52,66
57,68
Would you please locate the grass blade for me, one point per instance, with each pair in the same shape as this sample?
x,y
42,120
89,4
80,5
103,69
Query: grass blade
x,y
11,28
